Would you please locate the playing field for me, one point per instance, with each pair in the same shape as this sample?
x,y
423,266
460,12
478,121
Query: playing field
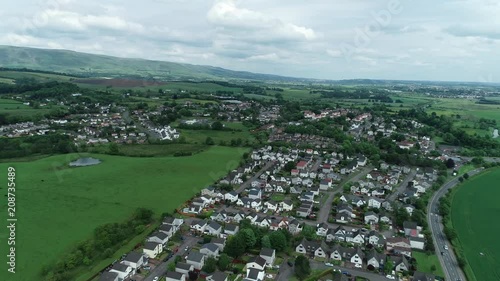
x,y
475,213
58,206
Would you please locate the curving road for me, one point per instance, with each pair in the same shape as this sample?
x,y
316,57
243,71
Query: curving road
x,y
447,258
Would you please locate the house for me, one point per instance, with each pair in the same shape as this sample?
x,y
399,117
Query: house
x,y
231,229
375,260
219,216
167,229
301,165
279,223
337,252
356,256
231,196
210,191
376,239
255,193
286,205
135,260
409,208
176,222
124,271
295,227
196,259
385,218
210,250
175,276
322,229
400,263
417,242
355,237
109,276
220,242
158,237
184,268
152,249
217,276
199,226
361,160
420,276
271,205
374,202
254,275
399,245
213,228
269,255
411,228
257,262
371,218
312,248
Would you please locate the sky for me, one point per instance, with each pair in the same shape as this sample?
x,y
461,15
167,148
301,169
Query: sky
x,y
446,40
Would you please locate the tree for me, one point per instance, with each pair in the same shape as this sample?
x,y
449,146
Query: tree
x,y
433,268
210,265
249,237
302,267
389,265
113,148
209,141
278,240
461,179
265,242
450,163
223,262
217,125
289,166
466,176
236,246
171,266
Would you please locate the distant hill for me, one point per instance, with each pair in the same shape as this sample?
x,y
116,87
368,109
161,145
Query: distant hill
x,y
90,65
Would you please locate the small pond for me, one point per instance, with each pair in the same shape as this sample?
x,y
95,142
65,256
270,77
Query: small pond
x,y
87,161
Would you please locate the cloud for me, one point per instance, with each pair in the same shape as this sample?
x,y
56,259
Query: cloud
x,y
487,32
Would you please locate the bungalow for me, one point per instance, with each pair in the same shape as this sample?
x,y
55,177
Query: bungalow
x,y
210,191
307,197
231,229
196,259
411,228
374,202
376,239
294,172
231,196
158,237
257,262
184,268
217,276
417,242
312,248
301,165
135,260
213,228
124,271
269,255
152,249
174,276
210,250
109,276
255,193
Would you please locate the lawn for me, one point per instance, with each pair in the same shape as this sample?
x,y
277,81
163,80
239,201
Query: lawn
x,y
199,136
474,211
17,108
58,206
152,150
425,262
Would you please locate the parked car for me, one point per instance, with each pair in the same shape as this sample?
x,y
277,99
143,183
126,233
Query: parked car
x,y
156,278
290,263
358,265
390,277
328,264
147,267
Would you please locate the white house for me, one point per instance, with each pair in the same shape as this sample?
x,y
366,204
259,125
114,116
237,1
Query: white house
x,y
152,249
269,255
196,259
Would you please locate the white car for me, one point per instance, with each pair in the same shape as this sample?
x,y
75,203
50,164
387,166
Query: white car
x,y
156,278
328,264
390,277
446,247
358,265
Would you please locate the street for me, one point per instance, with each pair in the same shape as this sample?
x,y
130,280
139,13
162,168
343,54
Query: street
x,y
448,259
402,186
255,177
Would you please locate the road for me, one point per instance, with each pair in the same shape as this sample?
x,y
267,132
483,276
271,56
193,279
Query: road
x,y
161,269
448,259
402,186
249,181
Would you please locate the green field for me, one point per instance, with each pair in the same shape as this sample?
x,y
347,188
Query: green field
x,y
199,136
58,206
474,216
425,262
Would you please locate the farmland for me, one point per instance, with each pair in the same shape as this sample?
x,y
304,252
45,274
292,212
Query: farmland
x,y
474,211
59,206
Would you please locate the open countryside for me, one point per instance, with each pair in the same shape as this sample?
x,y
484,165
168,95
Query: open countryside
x,y
475,206
61,206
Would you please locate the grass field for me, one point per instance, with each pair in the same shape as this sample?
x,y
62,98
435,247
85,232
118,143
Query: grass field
x,y
475,210
199,136
425,262
17,108
58,206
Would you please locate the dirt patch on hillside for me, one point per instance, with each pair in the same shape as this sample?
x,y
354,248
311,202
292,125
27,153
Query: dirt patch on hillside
x,y
121,83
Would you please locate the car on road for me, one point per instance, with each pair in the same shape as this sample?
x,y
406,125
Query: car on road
x,y
156,278
290,263
328,264
446,247
390,277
